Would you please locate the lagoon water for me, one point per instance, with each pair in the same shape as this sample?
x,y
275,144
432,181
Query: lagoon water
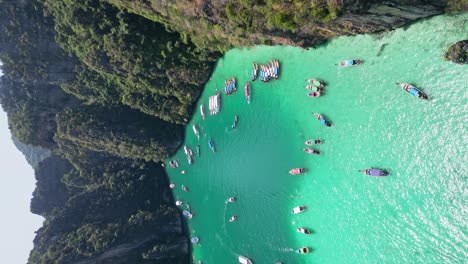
x,y
418,214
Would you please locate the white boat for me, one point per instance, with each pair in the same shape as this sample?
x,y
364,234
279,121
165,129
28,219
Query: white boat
x,y
186,150
202,111
194,240
195,131
298,209
244,260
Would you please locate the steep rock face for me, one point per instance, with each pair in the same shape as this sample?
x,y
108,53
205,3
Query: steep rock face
x,y
385,15
33,155
226,24
458,52
50,191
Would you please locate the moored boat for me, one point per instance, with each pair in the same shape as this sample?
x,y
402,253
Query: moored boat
x,y
195,131
247,91
234,124
311,151
375,172
244,260
298,209
322,120
211,145
187,214
303,230
303,250
349,63
202,111
314,94
413,91
297,171
311,142
174,164
316,82
198,150
233,218
254,71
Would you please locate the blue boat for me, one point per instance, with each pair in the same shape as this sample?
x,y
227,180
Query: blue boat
x,y
413,91
211,145
375,172
322,120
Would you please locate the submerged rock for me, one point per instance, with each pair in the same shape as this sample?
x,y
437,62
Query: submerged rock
x,y
458,52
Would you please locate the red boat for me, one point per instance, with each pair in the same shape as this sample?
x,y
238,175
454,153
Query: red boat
x,y
247,91
297,171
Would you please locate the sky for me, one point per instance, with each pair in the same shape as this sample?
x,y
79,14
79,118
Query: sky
x,y
17,182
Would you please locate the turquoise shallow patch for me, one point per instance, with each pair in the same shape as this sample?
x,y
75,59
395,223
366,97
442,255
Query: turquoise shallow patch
x,y
416,215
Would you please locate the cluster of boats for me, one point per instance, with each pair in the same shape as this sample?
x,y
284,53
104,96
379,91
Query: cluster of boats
x,y
267,71
230,86
316,87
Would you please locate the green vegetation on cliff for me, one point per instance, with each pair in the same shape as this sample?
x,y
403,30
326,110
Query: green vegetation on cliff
x,y
129,59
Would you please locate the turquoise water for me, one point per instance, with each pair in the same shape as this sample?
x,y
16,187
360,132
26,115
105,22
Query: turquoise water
x,y
416,215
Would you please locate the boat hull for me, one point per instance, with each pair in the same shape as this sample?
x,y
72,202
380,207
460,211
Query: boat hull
x,y
413,91
297,171
375,172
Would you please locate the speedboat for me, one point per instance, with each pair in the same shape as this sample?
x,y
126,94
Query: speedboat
x,y
349,63
187,214
198,150
189,159
233,218
244,260
375,172
231,199
298,209
303,250
178,203
195,131
202,111
303,230
311,142
184,188
194,240
413,91
297,171
234,125
322,120
311,151
211,145
186,150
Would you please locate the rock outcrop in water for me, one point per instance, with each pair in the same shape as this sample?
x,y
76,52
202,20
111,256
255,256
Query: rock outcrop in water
x,y
458,52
